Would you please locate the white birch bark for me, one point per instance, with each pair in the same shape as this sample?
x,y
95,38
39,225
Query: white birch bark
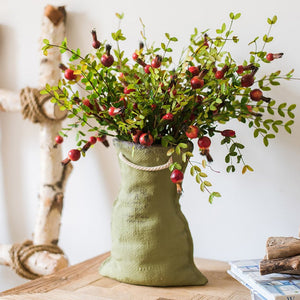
x,y
53,174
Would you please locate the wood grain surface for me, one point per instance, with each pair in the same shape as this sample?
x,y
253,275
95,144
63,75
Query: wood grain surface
x,y
83,282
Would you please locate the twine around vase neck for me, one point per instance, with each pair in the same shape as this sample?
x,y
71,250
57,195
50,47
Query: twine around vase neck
x,y
143,168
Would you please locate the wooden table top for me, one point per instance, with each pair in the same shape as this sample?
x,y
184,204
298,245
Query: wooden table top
x,y
83,282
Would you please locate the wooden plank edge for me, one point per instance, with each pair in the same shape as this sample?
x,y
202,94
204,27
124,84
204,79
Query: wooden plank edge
x,y
58,279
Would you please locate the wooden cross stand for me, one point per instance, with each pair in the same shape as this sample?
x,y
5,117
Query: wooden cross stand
x,y
42,256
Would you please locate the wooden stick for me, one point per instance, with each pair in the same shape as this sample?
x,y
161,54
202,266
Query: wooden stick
x,y
281,247
53,174
289,265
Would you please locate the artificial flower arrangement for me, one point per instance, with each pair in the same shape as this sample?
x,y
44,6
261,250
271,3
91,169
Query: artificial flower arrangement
x,y
149,99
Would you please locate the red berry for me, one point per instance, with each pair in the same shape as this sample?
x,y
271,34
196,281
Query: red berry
x,y
92,140
270,56
256,94
96,44
176,176
247,80
135,56
101,138
112,111
128,91
197,83
74,154
204,142
69,74
136,136
240,69
168,116
194,70
153,106
146,139
107,60
87,103
219,74
59,139
250,108
156,62
174,91
228,133
147,69
192,132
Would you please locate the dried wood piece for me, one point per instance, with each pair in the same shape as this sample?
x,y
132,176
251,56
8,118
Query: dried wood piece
x,y
289,265
280,247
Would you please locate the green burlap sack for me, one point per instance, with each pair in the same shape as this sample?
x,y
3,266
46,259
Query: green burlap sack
x,y
151,240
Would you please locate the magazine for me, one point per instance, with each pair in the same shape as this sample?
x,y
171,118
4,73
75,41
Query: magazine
x,y
269,287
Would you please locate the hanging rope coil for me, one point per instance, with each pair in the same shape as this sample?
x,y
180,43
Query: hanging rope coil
x,y
142,168
32,106
19,253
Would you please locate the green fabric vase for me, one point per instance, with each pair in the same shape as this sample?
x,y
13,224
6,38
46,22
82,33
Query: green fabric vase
x,y
151,240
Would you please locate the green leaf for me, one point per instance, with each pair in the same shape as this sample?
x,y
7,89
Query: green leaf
x,y
244,169
182,145
237,16
212,196
227,158
265,140
192,171
280,109
170,151
198,178
202,186
120,16
249,168
287,126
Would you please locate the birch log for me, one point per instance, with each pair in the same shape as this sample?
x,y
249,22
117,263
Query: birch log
x,y
53,174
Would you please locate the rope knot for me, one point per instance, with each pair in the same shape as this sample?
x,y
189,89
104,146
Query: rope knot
x,y
19,253
32,103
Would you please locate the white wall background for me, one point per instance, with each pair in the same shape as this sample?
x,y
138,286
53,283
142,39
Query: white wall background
x,y
253,206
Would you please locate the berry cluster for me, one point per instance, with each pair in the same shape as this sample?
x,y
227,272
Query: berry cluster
x,y
145,100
